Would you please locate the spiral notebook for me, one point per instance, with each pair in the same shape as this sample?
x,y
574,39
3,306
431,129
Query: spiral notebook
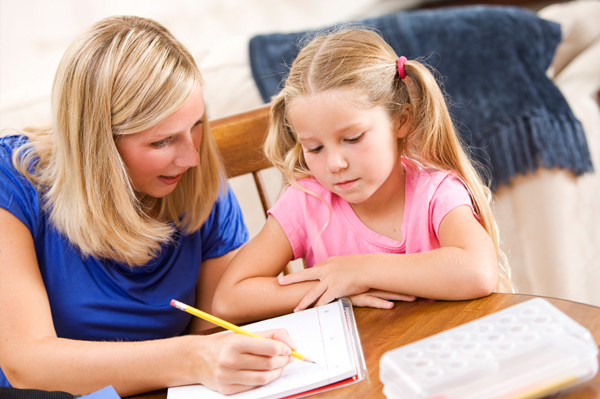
x,y
326,334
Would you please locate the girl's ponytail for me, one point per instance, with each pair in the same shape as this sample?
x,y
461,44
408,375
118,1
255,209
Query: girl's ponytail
x,y
435,142
281,146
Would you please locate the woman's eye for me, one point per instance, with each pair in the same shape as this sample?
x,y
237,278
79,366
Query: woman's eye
x,y
198,123
355,138
161,143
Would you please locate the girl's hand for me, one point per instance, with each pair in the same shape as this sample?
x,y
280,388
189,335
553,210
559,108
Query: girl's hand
x,y
236,363
339,276
377,299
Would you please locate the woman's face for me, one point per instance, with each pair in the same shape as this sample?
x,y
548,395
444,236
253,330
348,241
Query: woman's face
x,y
157,157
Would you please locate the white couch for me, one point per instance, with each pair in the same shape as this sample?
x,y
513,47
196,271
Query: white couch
x,y
549,219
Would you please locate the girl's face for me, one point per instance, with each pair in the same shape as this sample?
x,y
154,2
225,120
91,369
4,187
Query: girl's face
x,y
351,149
157,157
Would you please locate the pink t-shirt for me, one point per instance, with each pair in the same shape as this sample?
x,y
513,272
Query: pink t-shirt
x,y
429,196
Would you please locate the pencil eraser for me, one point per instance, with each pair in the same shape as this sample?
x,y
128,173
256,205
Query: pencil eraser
x,y
173,301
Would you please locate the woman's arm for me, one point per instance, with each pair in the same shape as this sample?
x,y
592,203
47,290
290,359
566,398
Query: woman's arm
x,y
465,267
249,289
32,356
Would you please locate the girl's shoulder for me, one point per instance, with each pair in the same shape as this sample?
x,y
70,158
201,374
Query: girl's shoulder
x,y
416,170
307,193
310,186
420,177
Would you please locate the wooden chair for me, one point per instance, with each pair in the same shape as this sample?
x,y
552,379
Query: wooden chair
x,y
240,139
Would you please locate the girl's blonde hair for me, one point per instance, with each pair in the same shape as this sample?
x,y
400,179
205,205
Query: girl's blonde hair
x,y
121,76
361,60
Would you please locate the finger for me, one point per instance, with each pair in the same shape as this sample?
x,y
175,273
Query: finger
x,y
257,346
244,380
232,389
252,362
327,297
300,276
311,296
393,296
366,300
259,377
281,335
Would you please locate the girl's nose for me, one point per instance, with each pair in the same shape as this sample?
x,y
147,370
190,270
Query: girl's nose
x,y
336,161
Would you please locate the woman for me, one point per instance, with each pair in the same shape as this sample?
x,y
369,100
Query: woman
x,y
115,208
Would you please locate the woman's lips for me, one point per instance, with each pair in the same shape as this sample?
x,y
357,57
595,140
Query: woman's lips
x,y
169,180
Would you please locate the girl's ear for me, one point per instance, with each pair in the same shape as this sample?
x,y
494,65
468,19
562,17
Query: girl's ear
x,y
404,122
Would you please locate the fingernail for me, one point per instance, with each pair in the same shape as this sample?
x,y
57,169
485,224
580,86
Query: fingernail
x,y
280,280
296,310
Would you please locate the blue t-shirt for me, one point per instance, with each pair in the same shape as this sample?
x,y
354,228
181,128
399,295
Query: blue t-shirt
x,y
102,300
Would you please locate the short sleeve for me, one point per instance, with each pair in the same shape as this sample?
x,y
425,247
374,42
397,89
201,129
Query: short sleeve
x,y
450,193
288,213
224,229
18,195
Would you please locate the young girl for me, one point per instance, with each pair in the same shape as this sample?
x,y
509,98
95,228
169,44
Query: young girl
x,y
383,202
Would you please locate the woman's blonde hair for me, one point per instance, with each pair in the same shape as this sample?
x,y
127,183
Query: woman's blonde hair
x,y
360,59
122,75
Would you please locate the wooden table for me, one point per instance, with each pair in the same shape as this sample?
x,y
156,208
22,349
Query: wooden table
x,y
384,330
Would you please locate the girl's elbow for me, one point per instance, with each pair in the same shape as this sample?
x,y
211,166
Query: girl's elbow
x,y
17,376
228,307
484,282
223,306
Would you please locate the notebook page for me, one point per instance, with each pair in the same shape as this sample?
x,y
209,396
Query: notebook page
x,y
319,335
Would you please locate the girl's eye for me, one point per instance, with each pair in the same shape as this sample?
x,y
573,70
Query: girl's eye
x,y
198,123
355,139
315,149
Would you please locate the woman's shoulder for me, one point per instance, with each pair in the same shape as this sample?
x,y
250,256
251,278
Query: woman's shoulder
x,y
9,143
18,195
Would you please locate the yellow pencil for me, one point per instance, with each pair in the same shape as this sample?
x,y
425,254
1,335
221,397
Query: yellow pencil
x,y
226,324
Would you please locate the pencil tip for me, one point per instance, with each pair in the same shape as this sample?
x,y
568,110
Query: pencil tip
x,y
310,361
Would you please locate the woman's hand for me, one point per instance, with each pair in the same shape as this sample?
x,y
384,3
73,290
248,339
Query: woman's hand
x,y
235,363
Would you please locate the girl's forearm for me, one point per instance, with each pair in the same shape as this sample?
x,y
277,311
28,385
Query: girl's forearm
x,y
257,298
446,273
81,367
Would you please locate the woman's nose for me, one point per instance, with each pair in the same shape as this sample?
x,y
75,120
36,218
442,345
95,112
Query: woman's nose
x,y
189,156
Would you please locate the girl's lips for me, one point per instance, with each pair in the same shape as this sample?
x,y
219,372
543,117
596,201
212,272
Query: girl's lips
x,y
345,184
169,180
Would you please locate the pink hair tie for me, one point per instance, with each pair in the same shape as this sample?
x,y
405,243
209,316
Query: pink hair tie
x,y
401,71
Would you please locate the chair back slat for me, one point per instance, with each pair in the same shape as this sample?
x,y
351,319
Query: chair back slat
x,y
240,138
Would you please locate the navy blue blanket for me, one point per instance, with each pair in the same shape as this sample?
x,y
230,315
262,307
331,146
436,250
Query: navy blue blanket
x,y
493,62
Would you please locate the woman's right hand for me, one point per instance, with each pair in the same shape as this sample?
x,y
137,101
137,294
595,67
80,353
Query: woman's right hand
x,y
235,363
